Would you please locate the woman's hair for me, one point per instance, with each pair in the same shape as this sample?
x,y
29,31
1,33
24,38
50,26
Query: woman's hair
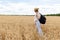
x,y
36,9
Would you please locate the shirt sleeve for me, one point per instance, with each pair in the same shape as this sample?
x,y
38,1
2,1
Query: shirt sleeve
x,y
35,19
38,15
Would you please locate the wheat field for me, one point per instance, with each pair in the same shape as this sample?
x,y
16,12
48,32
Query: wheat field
x,y
23,28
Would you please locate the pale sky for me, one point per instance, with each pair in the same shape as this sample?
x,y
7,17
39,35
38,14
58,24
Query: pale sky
x,y
25,7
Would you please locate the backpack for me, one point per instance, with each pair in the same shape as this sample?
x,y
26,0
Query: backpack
x,y
42,19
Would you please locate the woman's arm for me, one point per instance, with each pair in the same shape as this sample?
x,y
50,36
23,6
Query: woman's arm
x,y
35,20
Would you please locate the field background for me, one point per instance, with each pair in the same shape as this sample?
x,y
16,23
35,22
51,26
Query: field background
x,y
23,28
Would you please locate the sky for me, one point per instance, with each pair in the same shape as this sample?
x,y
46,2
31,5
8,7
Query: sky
x,y
25,7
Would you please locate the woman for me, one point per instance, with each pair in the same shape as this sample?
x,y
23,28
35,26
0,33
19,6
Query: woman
x,y
36,20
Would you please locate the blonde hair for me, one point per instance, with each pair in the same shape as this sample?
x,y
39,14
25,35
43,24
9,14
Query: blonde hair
x,y
36,9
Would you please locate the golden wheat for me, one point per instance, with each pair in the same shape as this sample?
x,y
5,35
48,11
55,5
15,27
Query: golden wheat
x,y
23,28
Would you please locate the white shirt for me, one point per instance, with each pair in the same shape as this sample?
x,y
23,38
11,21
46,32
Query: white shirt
x,y
37,24
36,17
